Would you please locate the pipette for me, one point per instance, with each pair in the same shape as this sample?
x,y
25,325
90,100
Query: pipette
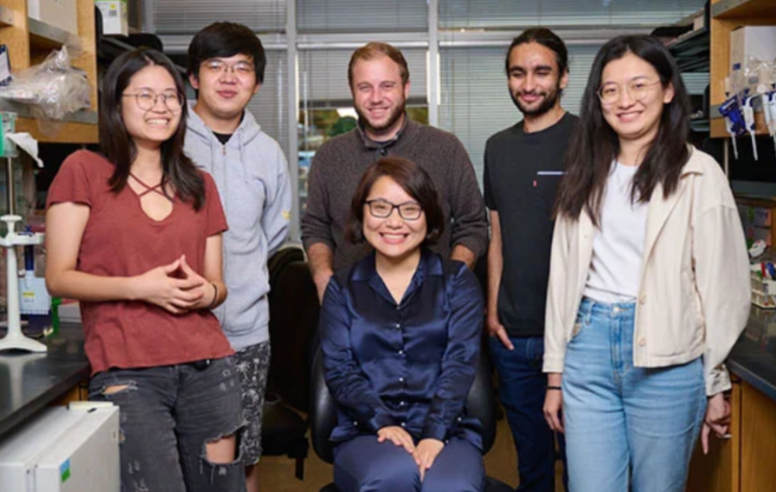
x,y
746,103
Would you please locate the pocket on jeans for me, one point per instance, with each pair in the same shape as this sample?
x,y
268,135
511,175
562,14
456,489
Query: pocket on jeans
x,y
580,324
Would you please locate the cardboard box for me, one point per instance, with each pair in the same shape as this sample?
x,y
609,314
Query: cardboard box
x,y
115,19
755,41
58,13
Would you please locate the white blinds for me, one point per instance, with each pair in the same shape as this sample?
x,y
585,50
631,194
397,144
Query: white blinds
x,y
475,102
696,82
323,76
189,16
325,16
269,106
512,13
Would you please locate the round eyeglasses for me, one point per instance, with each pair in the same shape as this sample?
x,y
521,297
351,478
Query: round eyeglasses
x,y
147,100
636,90
382,209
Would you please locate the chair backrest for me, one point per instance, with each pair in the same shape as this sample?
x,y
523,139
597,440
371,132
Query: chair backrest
x,y
480,403
293,305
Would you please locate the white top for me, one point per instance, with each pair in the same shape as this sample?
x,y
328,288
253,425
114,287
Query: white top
x,y
618,245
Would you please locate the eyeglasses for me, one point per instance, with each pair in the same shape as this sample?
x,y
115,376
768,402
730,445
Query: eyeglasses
x,y
241,68
147,100
636,90
382,209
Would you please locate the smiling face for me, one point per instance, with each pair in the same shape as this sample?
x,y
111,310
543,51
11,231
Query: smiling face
x,y
535,83
634,118
150,127
393,237
226,86
379,96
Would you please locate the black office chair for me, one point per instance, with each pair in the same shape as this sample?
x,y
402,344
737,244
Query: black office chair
x,y
480,403
293,303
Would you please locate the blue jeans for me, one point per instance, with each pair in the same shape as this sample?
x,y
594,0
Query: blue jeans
x,y
364,465
167,416
626,424
522,387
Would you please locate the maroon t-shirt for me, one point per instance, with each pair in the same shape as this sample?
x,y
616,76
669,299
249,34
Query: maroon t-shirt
x,y
120,240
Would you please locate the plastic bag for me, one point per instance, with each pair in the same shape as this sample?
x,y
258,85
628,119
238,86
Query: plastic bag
x,y
52,89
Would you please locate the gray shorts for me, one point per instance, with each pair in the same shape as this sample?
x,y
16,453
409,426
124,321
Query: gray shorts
x,y
252,366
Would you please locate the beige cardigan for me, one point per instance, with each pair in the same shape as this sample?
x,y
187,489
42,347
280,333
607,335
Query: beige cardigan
x,y
694,291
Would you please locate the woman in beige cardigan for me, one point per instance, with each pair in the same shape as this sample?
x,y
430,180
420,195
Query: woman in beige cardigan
x,y
649,281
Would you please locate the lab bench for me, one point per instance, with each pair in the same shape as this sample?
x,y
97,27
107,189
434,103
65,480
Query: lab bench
x,y
30,382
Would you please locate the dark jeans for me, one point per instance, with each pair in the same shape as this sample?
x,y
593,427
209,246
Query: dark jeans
x,y
522,387
167,415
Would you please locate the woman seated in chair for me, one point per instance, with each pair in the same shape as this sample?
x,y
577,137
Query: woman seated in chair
x,y
400,339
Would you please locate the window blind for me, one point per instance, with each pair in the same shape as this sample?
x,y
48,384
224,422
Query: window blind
x,y
457,14
270,106
323,76
189,16
327,16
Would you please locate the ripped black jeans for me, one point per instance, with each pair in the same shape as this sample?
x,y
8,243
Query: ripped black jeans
x,y
167,416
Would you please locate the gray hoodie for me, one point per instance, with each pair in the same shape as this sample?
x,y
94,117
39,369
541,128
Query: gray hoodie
x,y
251,174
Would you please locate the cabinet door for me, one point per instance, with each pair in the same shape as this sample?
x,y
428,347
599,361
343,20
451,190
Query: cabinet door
x,y
718,471
758,446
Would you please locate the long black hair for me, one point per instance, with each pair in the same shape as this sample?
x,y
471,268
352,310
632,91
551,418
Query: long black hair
x,y
594,146
119,147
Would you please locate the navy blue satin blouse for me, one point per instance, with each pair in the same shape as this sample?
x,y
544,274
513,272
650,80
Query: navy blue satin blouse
x,y
410,364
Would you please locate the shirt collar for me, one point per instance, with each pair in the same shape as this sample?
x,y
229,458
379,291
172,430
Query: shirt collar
x,y
366,270
374,145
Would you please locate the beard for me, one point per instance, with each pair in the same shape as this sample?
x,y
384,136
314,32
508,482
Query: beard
x,y
393,117
547,103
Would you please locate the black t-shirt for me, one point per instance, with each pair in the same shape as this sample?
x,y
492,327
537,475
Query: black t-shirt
x,y
223,137
522,171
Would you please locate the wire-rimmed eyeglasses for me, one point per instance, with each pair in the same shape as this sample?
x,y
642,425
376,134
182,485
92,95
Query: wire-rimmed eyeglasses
x,y
636,90
242,68
147,100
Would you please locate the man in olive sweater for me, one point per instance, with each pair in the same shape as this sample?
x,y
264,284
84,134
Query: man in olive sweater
x,y
379,80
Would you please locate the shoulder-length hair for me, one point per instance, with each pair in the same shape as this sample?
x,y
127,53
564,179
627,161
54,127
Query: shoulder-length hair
x,y
119,147
414,180
594,146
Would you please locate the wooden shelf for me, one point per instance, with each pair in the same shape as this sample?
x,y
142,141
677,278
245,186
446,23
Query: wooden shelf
x,y
48,37
718,126
6,16
29,42
737,9
726,16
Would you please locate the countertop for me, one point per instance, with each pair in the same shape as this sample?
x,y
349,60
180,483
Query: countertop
x,y
30,382
753,357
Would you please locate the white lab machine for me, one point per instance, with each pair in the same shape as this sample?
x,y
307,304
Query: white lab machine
x,y
73,449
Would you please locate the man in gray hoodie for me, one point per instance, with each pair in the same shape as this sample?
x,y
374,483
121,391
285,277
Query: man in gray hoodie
x,y
226,64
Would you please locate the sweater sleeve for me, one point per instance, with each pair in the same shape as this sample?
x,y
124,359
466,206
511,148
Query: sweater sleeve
x,y
470,222
554,325
719,252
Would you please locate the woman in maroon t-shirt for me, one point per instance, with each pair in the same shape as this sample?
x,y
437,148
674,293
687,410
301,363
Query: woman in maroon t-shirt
x,y
135,235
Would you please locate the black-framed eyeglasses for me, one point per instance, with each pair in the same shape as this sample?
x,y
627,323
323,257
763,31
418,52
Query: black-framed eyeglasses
x,y
147,100
382,209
